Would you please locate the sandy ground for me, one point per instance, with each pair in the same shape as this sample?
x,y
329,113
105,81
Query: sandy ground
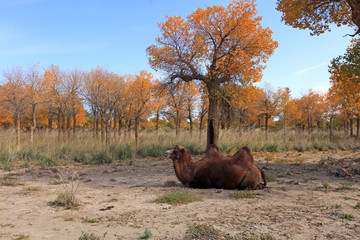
x,y
289,208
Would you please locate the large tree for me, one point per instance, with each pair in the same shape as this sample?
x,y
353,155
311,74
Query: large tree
x,y
215,45
317,15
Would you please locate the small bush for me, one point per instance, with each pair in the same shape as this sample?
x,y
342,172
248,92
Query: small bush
x,y
270,177
243,194
102,157
267,237
177,198
66,200
357,206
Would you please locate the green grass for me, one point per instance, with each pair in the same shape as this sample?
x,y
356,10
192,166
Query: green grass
x,y
346,186
170,184
177,198
270,177
347,216
91,220
325,188
244,194
147,234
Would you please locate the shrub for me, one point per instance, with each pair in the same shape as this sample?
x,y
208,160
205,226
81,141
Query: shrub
x,y
66,200
147,234
347,216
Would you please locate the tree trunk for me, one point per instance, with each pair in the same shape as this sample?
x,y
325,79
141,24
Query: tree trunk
x,y
201,125
18,129
177,123
191,124
115,124
68,126
107,129
74,125
137,132
120,126
102,128
157,120
59,124
267,117
213,120
50,123
351,127
33,124
357,127
330,128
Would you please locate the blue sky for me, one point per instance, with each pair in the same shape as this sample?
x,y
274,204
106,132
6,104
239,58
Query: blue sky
x,y
115,33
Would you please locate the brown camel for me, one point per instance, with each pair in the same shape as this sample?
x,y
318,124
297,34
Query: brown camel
x,y
217,171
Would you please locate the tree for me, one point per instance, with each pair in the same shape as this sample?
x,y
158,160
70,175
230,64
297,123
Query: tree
x,y
141,94
345,85
176,104
191,101
267,104
215,46
35,87
317,15
15,98
104,90
160,93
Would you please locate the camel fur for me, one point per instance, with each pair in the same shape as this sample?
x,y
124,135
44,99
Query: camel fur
x,y
215,170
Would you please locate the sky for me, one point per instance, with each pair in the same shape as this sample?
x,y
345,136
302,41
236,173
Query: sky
x,y
114,34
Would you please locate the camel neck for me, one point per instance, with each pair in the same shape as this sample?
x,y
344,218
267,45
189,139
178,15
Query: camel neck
x,y
183,171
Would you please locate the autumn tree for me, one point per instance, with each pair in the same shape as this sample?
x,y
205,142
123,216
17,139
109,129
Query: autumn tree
x,y
15,98
317,15
191,102
160,93
141,96
213,45
35,87
267,104
104,90
176,104
345,79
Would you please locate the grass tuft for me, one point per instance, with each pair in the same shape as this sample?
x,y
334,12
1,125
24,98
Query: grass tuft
x,y
147,234
66,200
357,206
177,198
204,231
91,220
244,194
347,216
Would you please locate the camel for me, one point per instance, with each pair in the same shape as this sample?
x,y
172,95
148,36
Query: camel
x,y
215,170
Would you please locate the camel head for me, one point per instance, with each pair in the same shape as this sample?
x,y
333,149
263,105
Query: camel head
x,y
177,153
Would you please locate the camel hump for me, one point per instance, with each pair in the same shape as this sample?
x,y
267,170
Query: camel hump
x,y
213,151
246,149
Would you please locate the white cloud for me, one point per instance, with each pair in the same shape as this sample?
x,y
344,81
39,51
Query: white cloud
x,y
322,88
305,70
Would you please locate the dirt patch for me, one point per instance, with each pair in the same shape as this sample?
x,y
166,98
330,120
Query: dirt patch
x,y
305,202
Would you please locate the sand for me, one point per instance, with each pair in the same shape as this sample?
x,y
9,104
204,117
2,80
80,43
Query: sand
x,y
121,197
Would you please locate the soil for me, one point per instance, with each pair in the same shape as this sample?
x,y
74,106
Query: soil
x,y
300,204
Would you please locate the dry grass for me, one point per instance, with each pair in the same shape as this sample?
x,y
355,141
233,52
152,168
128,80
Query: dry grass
x,y
48,151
